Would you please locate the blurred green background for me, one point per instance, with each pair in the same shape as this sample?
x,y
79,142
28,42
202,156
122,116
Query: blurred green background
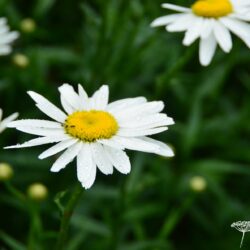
x,y
95,42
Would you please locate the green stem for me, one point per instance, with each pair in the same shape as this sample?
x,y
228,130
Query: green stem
x,y
174,217
35,222
35,227
68,211
163,79
15,192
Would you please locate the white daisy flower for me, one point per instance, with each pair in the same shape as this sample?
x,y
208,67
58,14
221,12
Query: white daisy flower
x,y
6,121
211,21
6,37
95,132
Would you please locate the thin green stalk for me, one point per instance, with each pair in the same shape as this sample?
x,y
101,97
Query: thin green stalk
x,y
35,227
174,217
163,79
35,222
68,211
15,192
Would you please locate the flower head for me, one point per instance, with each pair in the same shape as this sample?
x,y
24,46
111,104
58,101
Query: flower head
x,y
4,122
211,21
6,37
94,132
243,227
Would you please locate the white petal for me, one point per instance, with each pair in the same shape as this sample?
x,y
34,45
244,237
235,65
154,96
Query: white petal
x,y
66,106
66,157
139,110
150,121
5,50
9,37
86,168
10,118
165,20
34,123
57,148
39,141
239,28
111,143
3,20
164,149
193,32
4,30
175,7
42,131
125,103
182,23
149,126
223,37
140,132
70,96
101,159
84,100
5,122
145,144
99,100
119,159
240,16
47,107
207,49
208,25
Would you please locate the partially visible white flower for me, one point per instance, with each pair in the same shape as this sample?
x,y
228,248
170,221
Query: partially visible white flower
x,y
6,37
243,227
211,21
6,121
94,132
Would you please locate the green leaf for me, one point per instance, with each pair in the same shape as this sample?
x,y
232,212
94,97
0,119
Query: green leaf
x,y
58,198
11,242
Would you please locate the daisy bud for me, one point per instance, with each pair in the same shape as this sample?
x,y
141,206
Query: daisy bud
x,y
37,192
28,25
6,172
198,183
21,60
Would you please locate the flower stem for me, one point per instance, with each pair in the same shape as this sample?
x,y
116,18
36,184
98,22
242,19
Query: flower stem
x,y
15,192
175,216
243,234
67,213
163,80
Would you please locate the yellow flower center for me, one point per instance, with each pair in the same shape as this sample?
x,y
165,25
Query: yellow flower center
x,y
212,8
90,126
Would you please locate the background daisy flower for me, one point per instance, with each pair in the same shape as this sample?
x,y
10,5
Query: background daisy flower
x,y
6,37
211,21
95,132
6,121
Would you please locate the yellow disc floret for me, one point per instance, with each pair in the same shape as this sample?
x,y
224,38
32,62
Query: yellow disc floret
x,y
212,8
90,126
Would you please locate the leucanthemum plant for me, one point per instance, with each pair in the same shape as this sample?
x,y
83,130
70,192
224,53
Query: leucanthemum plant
x,y
94,132
6,121
6,37
211,21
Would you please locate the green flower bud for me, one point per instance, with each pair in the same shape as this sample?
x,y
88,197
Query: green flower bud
x,y
37,192
6,171
198,183
21,60
28,25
